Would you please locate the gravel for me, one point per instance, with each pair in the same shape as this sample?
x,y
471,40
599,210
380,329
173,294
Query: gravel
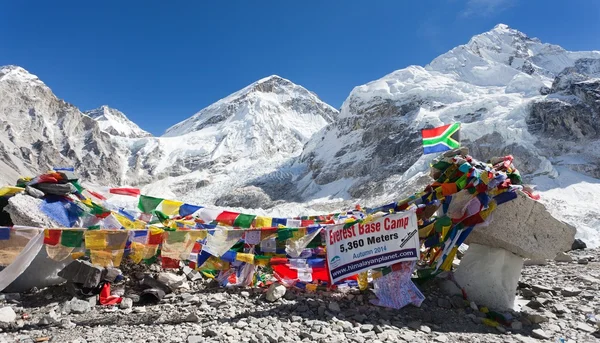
x,y
561,300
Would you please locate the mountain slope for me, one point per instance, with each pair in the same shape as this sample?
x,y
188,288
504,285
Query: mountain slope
x,y
242,136
513,94
38,131
116,123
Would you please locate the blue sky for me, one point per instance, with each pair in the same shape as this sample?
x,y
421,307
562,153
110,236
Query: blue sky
x,y
161,61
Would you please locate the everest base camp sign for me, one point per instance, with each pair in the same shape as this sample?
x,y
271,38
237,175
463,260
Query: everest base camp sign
x,y
379,243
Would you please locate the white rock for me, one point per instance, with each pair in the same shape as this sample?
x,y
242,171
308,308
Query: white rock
x,y
126,303
7,315
275,292
489,276
174,281
524,227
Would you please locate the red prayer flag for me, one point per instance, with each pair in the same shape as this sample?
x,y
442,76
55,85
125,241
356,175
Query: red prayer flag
x,y
52,237
125,191
227,218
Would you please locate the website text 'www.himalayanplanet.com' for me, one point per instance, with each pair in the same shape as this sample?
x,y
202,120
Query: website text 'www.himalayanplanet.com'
x,y
349,268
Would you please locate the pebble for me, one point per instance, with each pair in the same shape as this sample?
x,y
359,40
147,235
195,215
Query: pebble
x,y
444,303
583,261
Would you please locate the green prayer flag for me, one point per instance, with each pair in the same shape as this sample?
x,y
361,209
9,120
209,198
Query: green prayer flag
x,y
441,222
176,236
285,234
244,220
148,204
71,238
161,216
77,186
462,181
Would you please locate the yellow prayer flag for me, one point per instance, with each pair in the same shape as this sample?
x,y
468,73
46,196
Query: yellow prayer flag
x,y
449,259
248,258
95,239
426,231
311,287
196,235
262,262
106,258
298,234
9,190
171,207
263,221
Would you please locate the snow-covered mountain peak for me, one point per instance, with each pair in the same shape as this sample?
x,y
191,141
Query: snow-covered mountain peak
x,y
116,123
267,97
19,74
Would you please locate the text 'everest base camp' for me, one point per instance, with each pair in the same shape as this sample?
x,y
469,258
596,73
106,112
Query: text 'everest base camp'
x,y
477,178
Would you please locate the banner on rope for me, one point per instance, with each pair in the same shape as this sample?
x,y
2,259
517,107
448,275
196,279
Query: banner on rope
x,y
367,245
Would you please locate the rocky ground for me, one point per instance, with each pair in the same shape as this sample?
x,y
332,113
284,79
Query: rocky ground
x,y
561,303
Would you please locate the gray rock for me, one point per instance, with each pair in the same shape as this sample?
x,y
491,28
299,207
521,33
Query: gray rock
x,y
559,308
192,318
537,318
585,327
366,327
334,307
415,325
196,339
539,333
7,315
563,257
67,324
534,304
570,292
527,293
539,289
275,292
578,244
458,302
425,328
241,324
444,303
45,321
77,306
289,295
450,288
172,280
523,237
516,325
210,333
441,338
583,260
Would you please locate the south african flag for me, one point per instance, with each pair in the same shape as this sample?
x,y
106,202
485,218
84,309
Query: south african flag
x,y
441,138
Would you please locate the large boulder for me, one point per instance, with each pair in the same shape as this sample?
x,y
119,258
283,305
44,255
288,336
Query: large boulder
x,y
524,227
489,276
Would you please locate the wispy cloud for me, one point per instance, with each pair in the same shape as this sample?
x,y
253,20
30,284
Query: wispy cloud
x,y
485,7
